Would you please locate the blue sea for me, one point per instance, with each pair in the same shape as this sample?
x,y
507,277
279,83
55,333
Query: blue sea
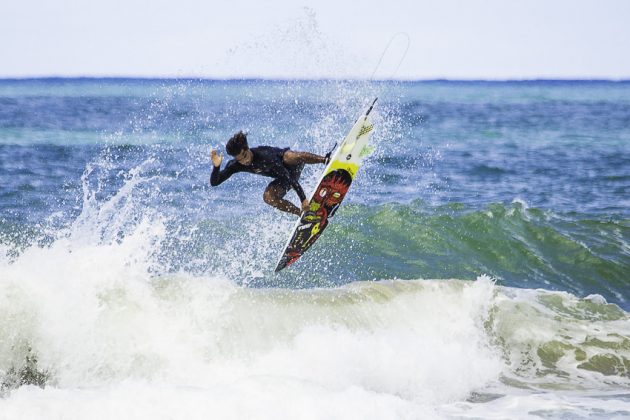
x,y
478,268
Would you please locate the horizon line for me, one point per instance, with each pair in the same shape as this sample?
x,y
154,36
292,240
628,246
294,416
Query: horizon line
x,y
315,79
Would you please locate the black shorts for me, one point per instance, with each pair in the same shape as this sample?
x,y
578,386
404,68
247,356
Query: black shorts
x,y
294,171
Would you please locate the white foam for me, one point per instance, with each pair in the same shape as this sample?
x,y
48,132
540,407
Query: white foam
x,y
120,343
116,340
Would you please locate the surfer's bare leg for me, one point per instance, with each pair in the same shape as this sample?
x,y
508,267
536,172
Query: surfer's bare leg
x,y
295,158
274,196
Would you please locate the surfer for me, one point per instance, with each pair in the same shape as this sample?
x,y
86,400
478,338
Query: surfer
x,y
282,164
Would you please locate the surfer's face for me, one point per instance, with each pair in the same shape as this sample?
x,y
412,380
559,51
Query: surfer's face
x,y
244,157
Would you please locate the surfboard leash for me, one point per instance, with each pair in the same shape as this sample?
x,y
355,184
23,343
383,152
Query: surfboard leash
x,y
406,35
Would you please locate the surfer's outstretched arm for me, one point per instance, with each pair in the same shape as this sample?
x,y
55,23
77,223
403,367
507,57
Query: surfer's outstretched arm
x,y
218,175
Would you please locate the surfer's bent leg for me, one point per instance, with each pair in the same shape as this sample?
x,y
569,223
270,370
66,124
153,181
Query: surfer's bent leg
x,y
295,158
274,196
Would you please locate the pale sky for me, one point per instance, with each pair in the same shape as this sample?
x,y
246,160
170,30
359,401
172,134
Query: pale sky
x,y
456,39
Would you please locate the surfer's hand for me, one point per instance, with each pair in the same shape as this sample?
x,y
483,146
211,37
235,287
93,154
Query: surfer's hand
x,y
306,205
216,158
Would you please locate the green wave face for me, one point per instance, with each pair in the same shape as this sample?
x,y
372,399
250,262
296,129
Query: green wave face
x,y
518,246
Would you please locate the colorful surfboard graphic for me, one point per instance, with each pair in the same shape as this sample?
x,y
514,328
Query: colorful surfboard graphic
x,y
331,190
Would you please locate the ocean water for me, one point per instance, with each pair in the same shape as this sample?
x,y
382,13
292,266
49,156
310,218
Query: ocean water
x,y
479,267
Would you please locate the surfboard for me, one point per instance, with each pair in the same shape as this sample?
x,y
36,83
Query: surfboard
x,y
331,189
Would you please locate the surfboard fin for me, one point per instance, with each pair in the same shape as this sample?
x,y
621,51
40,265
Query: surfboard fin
x,y
371,106
329,154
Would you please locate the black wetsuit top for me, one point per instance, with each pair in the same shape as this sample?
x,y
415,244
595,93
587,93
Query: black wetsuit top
x,y
267,161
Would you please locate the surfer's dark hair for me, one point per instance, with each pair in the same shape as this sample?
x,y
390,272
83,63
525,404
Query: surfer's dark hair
x,y
236,143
